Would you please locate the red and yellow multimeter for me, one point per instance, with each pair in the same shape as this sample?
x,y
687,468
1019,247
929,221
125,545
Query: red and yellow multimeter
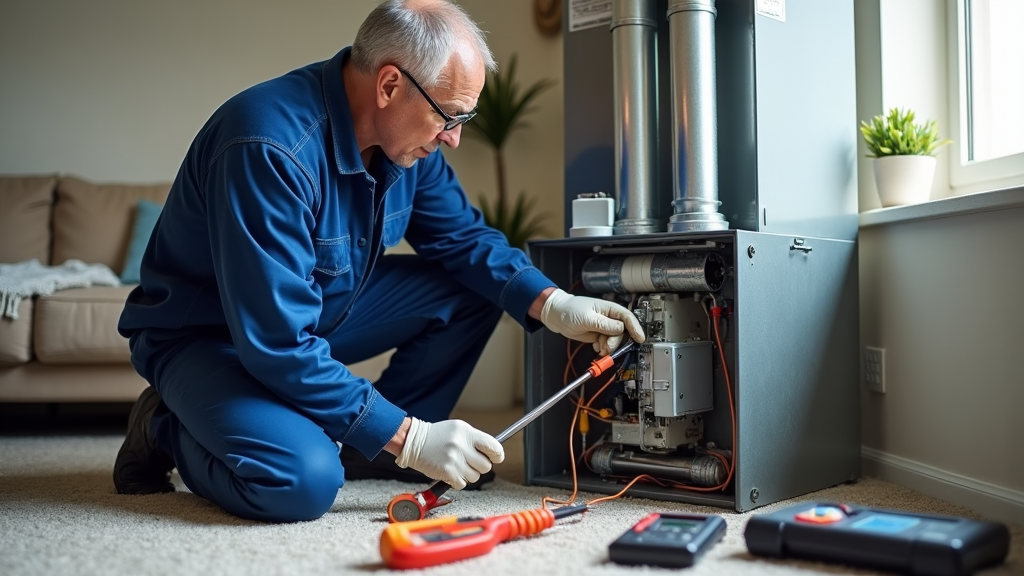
x,y
431,542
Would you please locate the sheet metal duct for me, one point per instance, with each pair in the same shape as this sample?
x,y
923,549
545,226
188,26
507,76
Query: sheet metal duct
x,y
634,34
694,117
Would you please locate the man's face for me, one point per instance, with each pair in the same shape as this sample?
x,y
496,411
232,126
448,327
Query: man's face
x,y
413,129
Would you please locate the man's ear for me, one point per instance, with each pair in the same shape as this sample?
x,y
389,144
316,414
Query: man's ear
x,y
388,79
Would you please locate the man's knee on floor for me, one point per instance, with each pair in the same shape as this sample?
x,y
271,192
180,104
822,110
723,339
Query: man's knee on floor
x,y
307,493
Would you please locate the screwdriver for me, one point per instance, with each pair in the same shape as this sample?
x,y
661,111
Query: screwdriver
x,y
408,507
425,543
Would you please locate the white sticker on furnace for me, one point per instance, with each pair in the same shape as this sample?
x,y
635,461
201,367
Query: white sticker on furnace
x,y
585,14
775,9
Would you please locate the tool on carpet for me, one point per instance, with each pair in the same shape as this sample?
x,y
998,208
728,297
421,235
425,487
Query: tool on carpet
x,y
425,543
919,544
668,540
409,507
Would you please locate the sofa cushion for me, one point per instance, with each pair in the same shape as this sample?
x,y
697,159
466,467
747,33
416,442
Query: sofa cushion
x,y
93,222
79,326
146,215
26,204
16,336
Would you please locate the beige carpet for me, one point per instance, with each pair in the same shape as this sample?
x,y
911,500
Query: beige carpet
x,y
59,515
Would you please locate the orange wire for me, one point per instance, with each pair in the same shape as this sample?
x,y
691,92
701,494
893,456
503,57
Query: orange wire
x,y
572,428
601,389
623,491
594,413
720,457
732,409
570,356
572,461
586,455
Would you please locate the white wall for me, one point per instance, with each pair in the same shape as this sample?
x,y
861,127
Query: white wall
x,y
941,296
115,90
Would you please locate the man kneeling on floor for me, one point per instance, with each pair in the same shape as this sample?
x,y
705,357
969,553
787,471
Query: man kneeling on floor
x,y
265,276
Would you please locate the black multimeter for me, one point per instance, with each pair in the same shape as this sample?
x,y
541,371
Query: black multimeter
x,y
668,539
919,544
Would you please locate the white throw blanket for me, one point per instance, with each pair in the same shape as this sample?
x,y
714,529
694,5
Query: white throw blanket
x,y
26,279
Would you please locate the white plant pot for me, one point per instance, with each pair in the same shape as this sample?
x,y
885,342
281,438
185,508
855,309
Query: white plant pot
x,y
904,179
499,373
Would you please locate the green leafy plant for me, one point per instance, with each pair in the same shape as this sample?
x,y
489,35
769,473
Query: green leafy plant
x,y
898,134
500,111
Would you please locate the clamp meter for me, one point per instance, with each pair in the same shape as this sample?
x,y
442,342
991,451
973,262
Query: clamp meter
x,y
919,544
668,539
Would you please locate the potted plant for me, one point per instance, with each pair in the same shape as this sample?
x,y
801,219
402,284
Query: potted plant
x,y
500,112
904,156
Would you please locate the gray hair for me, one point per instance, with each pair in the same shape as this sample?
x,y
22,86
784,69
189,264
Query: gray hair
x,y
419,40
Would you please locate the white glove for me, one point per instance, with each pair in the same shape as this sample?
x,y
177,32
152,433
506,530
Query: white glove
x,y
451,451
590,320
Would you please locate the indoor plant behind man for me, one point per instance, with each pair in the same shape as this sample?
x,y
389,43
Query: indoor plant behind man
x,y
265,276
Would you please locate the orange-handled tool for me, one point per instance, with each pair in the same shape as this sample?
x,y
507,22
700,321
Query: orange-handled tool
x,y
409,507
431,542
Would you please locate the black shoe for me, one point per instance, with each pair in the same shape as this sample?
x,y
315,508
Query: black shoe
x,y
383,467
141,467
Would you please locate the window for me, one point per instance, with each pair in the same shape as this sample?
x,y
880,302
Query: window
x,y
988,117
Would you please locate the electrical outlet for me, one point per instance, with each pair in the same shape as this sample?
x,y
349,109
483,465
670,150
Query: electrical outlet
x,y
874,369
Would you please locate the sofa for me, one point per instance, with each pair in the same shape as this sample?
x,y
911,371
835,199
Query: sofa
x,y
64,347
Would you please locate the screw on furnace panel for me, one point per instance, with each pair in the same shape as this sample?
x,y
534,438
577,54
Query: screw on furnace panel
x,y
754,494
750,251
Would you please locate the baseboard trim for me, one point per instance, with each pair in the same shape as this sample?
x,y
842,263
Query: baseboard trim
x,y
991,500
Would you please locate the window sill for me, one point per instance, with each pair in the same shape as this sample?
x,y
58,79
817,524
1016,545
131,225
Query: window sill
x,y
956,206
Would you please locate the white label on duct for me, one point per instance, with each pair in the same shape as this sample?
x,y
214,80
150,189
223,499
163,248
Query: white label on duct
x,y
585,14
775,9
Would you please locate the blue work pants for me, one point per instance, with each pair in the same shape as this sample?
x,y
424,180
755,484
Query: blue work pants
x,y
244,448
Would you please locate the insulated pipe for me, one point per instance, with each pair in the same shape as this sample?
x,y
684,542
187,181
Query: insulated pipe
x,y
689,272
691,25
702,470
634,32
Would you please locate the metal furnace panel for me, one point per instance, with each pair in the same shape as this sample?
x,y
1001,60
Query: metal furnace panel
x,y
798,369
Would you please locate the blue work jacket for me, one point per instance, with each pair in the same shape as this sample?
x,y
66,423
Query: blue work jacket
x,y
270,230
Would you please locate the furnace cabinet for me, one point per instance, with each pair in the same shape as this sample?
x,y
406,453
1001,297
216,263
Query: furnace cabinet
x,y
791,347
781,148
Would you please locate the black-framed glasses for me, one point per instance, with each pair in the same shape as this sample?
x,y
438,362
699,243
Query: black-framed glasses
x,y
450,122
